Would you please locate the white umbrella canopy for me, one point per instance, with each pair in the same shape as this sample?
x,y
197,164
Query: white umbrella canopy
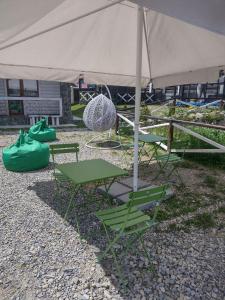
x,y
100,41
59,39
199,76
208,14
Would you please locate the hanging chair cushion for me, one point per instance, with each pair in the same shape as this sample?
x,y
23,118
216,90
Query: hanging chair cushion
x,y
100,114
25,155
41,132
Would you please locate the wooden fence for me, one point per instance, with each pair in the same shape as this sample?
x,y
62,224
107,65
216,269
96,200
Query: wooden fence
x,y
171,123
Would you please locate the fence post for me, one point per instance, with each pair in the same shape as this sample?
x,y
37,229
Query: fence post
x,y
172,107
170,136
221,105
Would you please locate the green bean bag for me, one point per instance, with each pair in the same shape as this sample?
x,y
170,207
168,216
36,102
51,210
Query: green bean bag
x,y
25,155
41,132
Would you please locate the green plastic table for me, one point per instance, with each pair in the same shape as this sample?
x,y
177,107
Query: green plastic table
x,y
151,139
89,171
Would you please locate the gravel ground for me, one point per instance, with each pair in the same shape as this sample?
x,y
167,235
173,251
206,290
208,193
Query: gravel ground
x,y
42,257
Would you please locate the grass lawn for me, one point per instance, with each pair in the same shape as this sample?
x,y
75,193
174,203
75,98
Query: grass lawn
x,y
77,110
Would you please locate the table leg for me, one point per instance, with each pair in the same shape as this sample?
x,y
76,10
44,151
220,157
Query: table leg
x,y
107,188
151,156
74,190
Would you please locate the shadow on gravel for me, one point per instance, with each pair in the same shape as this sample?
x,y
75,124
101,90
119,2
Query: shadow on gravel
x,y
134,266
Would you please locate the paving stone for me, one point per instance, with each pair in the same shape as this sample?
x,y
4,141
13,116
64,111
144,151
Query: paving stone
x,y
129,182
116,189
124,198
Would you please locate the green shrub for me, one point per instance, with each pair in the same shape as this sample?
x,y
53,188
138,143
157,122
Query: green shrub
x,y
186,141
144,113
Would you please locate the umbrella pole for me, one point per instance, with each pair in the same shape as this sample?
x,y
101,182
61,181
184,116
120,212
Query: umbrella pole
x,y
140,17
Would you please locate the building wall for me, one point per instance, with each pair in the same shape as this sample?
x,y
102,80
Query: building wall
x,y
42,106
3,104
2,88
66,103
47,89
13,120
4,111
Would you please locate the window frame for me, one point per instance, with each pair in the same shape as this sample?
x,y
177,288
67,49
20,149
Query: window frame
x,y
22,91
20,102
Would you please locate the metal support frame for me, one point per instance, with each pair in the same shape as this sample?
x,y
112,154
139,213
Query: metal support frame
x,y
140,23
87,194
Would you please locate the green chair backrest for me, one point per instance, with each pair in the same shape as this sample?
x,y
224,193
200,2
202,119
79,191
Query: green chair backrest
x,y
64,148
146,196
126,130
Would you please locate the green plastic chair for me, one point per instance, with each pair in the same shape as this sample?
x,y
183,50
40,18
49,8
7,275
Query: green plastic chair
x,y
128,221
126,134
169,159
56,149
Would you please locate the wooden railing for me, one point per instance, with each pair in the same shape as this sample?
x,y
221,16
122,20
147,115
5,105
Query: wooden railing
x,y
174,123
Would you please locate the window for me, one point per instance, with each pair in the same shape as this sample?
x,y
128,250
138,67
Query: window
x,y
20,88
30,88
15,107
13,87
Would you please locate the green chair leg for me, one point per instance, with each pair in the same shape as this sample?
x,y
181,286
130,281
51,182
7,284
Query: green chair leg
x,y
110,245
129,244
110,248
174,170
161,170
151,267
